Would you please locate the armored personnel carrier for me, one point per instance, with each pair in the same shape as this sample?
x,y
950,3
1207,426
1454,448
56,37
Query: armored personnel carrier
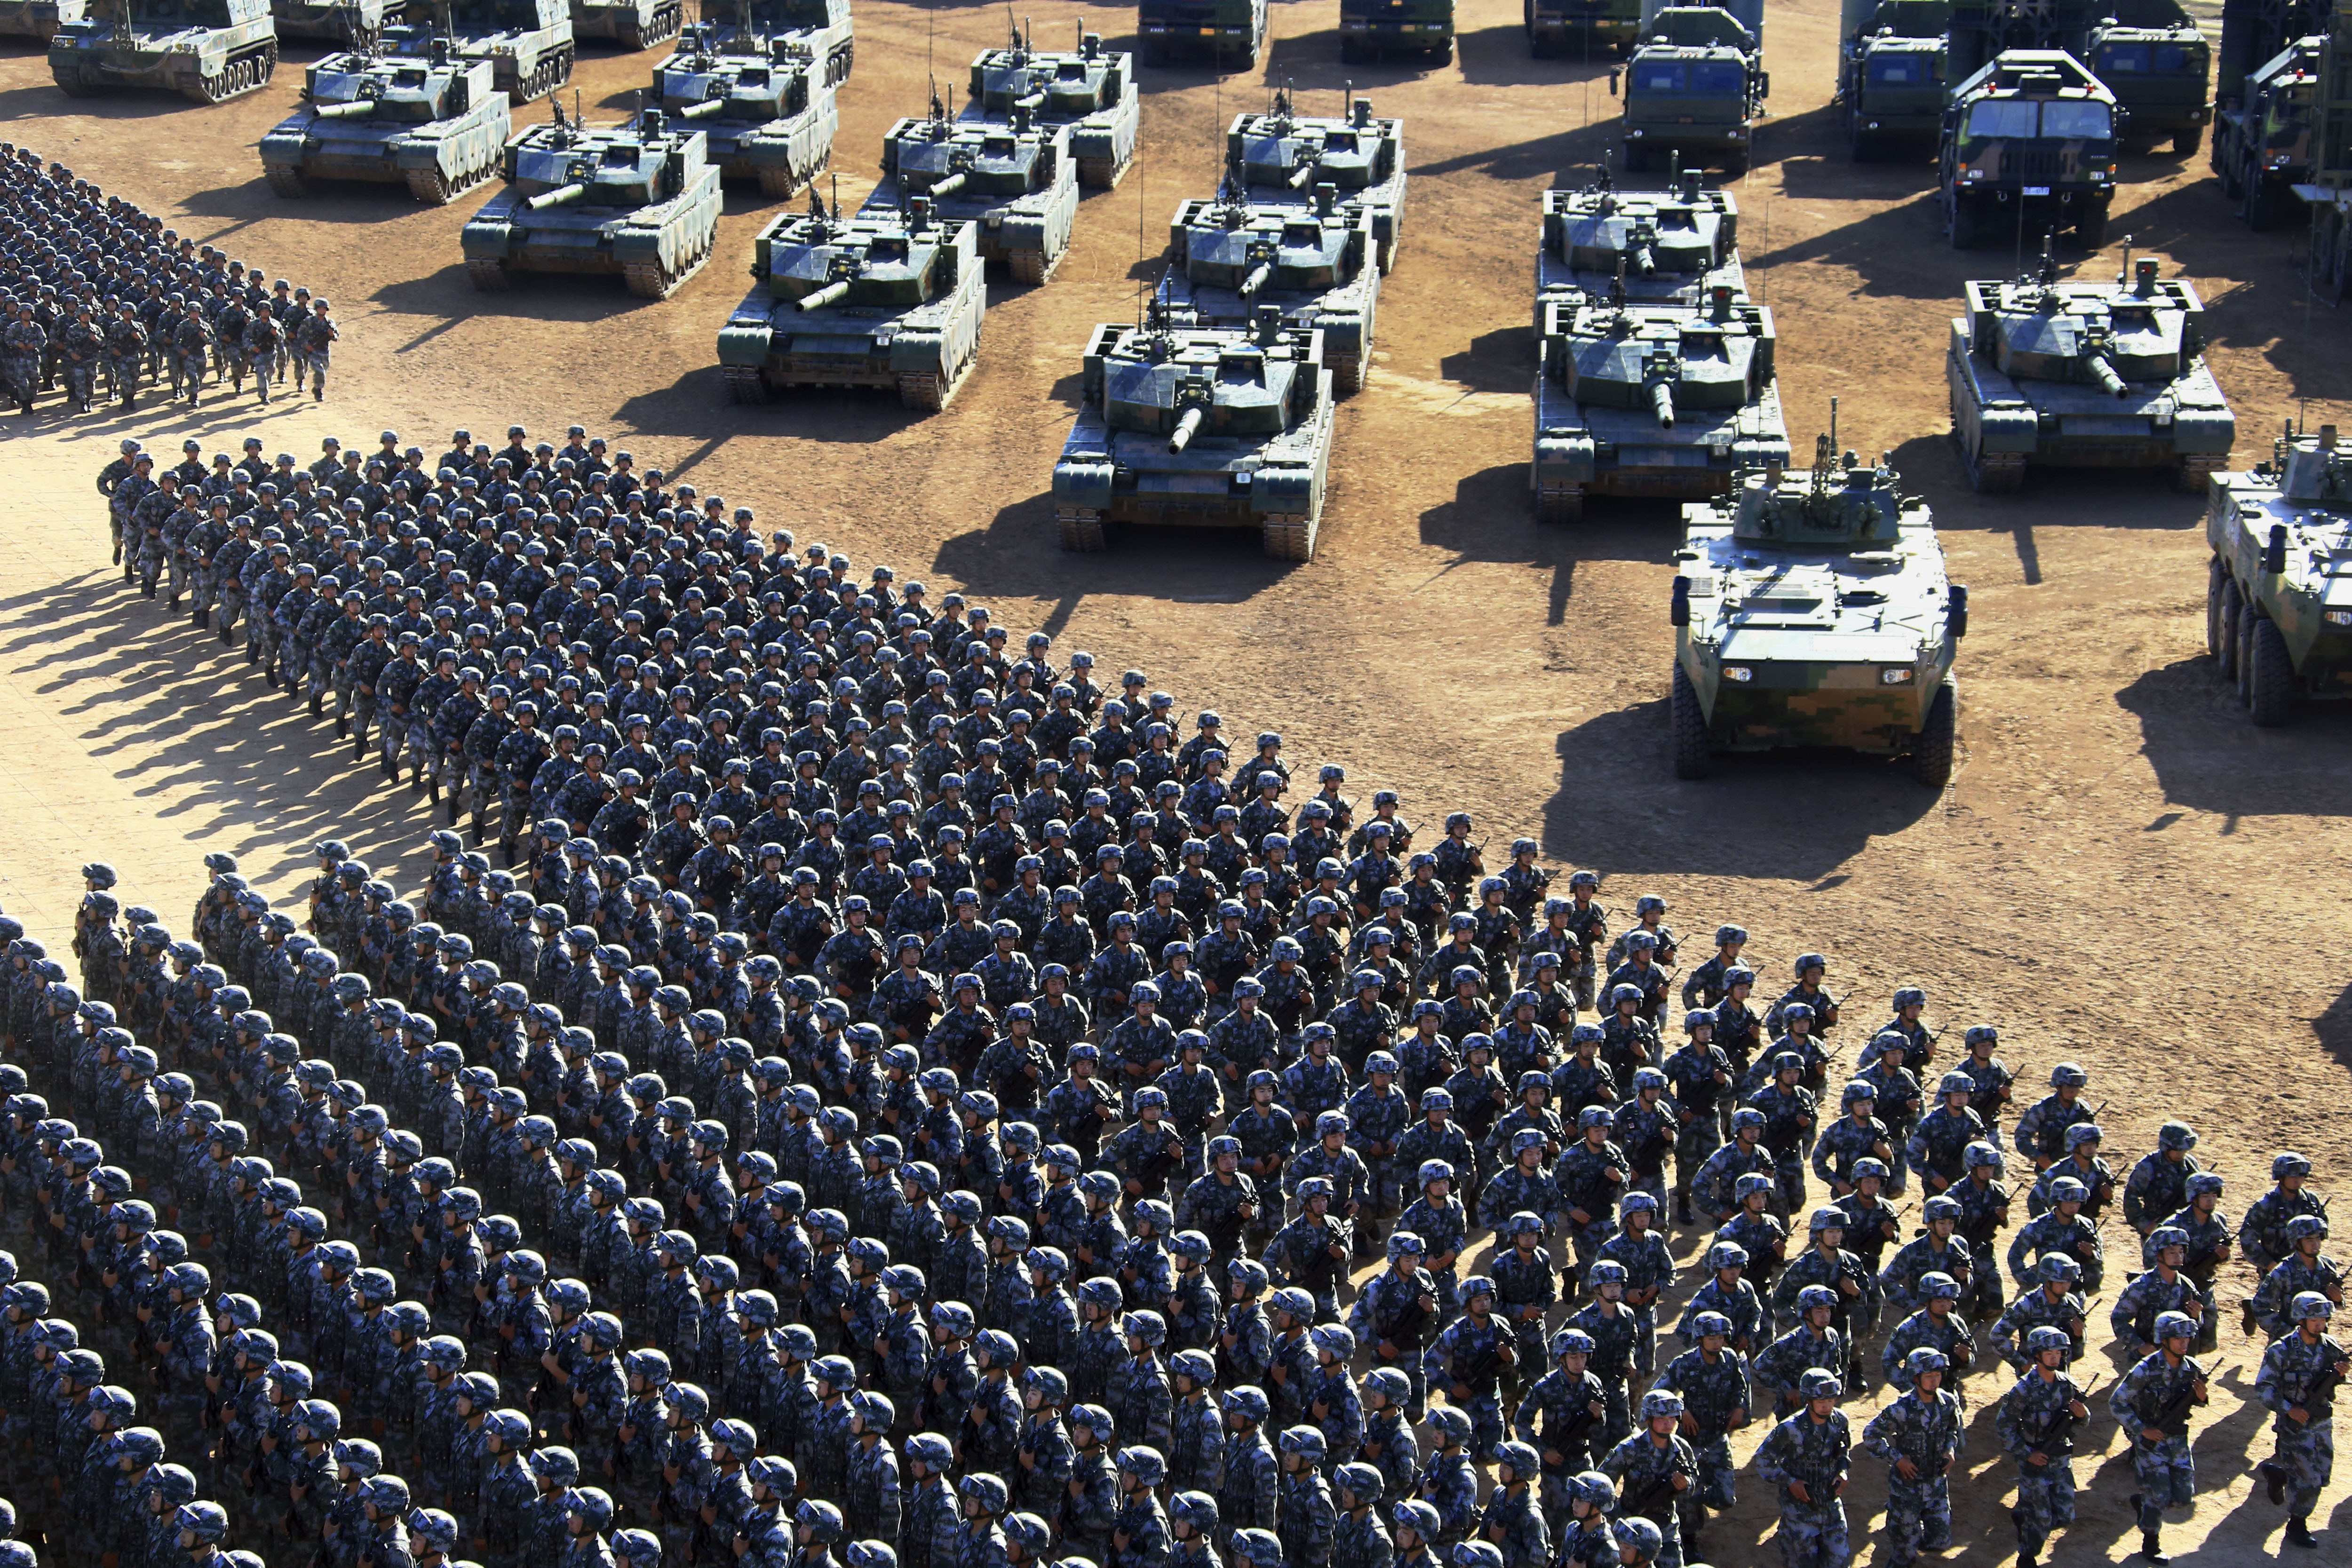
x,y
527,42
1375,29
1810,609
1695,82
1658,399
762,104
37,20
2078,374
1666,246
1229,33
632,24
1017,182
2262,142
1891,66
209,50
1093,92
1281,156
1206,425
2278,592
438,124
821,27
891,298
639,199
352,24
2028,141
1231,258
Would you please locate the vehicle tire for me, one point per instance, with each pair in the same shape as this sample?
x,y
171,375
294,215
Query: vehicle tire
x,y
1865,147
2270,679
2186,143
1348,52
2225,641
2261,206
1636,159
2091,228
1693,759
2216,581
1735,163
1938,737
2248,619
1964,225
1155,52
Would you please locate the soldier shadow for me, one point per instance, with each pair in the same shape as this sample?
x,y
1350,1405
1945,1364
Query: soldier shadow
x,y
1501,361
1562,154
1498,57
2208,756
1492,519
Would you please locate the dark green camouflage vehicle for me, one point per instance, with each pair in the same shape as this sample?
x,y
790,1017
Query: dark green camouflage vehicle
x,y
528,42
37,19
1281,156
2278,592
1017,181
763,102
209,50
350,24
1811,609
438,124
1695,85
1891,71
1094,92
1230,257
632,24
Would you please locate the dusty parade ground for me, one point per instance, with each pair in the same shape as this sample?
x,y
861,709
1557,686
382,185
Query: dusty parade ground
x,y
2124,871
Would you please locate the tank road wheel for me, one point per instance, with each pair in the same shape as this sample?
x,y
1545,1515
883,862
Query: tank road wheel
x,y
2186,143
1082,528
2221,626
432,187
744,383
490,274
285,180
1289,535
779,183
1931,750
1559,504
2270,679
1694,759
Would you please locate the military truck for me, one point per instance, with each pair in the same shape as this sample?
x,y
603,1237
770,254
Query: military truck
x,y
1811,609
1207,426
891,298
1891,72
527,42
1093,92
1581,28
352,24
1657,399
209,50
762,104
2278,591
1658,246
2329,191
2253,31
1280,157
1017,181
1695,83
1228,33
2152,57
2028,144
639,199
1230,259
632,24
1377,29
438,124
37,19
2262,142
2075,373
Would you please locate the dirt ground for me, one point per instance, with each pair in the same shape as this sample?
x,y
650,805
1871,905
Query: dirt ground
x,y
2124,872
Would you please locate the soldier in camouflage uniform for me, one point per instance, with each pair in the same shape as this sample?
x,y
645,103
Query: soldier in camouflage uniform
x,y
1655,1470
1712,1379
2035,1421
2055,1302
2064,1232
1920,1435
1398,1312
1305,1517
2261,1235
1699,1076
1562,1415
2297,1383
2151,1404
1812,1343
2158,1183
2163,1288
1935,1327
1468,1361
1807,1456
1249,1489
2304,1269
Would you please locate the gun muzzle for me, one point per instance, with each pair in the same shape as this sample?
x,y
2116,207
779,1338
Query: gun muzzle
x,y
836,290
1032,101
1259,277
357,109
1662,403
1645,260
557,197
2103,371
703,111
1187,427
1301,176
948,187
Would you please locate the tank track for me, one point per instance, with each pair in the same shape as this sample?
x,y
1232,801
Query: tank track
x,y
1559,504
1289,535
779,183
1103,173
667,22
744,383
655,280
285,180
435,189
1033,267
552,71
489,274
1082,528
2189,476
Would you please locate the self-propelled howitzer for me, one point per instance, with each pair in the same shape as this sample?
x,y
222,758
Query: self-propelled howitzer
x,y
208,50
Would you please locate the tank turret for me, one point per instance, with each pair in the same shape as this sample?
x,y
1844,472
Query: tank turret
x,y
528,42
1015,179
434,121
761,100
1281,157
1671,244
1231,257
1092,90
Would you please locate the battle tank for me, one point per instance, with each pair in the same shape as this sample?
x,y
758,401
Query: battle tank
x,y
1230,257
1094,92
352,24
1204,426
2278,591
527,42
37,19
763,104
209,50
1651,399
1017,182
891,298
1668,244
632,24
2073,373
822,27
1813,610
438,124
1281,156
639,199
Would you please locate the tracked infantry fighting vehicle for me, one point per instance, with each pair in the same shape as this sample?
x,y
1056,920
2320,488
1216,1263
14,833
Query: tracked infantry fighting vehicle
x,y
2278,592
632,24
2073,373
209,50
352,24
1810,609
1668,246
1891,71
1695,83
527,42
1093,92
2262,142
889,298
37,19
1375,29
639,199
1206,425
1229,34
438,124
1231,258
2028,144
1017,182
762,104
1282,156
1657,399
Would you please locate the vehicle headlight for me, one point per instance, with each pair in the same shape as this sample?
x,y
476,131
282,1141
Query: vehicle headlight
x,y
1739,672
2339,617
1900,677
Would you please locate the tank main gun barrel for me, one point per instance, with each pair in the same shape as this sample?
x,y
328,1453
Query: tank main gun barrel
x,y
357,109
1187,427
1646,260
836,290
557,197
703,111
2103,371
1032,101
1301,176
1662,403
1259,277
948,187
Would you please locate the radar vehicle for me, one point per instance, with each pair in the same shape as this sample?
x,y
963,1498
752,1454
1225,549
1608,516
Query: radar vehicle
x,y
2028,144
1017,181
1580,28
761,103
2151,55
2075,372
1093,92
209,50
435,123
2278,591
1231,258
891,298
1213,427
639,199
1280,157
2330,194
2262,142
1695,83
1811,609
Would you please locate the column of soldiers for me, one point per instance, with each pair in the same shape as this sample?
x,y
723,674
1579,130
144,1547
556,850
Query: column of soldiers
x,y
97,297
1013,1161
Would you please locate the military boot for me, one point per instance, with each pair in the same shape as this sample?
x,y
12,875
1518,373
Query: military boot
x,y
343,727
2274,1479
2298,1533
316,699
2151,1550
